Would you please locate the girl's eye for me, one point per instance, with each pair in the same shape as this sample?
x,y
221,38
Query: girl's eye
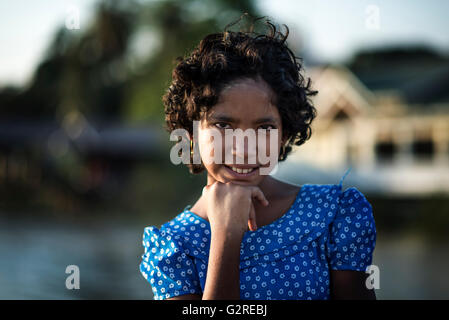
x,y
270,126
221,125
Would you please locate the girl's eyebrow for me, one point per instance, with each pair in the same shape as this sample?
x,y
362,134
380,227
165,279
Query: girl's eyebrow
x,y
265,119
220,117
225,118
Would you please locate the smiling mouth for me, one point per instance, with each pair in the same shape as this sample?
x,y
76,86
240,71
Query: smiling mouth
x,y
241,170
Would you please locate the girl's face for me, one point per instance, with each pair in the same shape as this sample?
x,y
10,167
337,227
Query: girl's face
x,y
244,104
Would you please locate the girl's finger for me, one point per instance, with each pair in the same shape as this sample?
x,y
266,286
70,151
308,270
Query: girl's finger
x,y
205,188
258,194
252,225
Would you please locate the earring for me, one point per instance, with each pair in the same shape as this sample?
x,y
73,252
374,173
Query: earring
x,y
191,150
282,151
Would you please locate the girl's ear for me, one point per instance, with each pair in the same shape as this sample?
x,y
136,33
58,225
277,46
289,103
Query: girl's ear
x,y
283,140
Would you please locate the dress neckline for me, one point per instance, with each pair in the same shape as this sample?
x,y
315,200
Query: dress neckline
x,y
274,222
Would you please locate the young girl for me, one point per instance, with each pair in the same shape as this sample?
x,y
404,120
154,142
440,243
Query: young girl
x,y
251,236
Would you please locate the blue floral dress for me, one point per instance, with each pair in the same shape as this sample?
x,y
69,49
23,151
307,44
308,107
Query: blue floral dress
x,y
325,229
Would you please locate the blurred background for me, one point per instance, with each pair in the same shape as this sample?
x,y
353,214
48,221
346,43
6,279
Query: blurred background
x,y
84,158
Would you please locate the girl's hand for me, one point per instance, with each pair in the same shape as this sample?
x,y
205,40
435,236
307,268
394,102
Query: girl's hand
x,y
230,206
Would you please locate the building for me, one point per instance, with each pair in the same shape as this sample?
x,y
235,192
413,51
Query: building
x,y
393,145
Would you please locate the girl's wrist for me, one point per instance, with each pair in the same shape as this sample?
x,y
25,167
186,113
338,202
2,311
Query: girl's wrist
x,y
227,233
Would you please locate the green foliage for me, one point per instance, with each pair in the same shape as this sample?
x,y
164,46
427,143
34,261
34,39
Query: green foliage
x,y
94,71
179,26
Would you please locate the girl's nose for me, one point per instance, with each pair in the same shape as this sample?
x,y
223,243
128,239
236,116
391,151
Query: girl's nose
x,y
244,150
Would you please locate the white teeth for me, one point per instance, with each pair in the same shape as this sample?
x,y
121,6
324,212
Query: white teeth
x,y
242,170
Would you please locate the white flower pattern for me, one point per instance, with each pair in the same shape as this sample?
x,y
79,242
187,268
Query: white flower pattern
x,y
325,229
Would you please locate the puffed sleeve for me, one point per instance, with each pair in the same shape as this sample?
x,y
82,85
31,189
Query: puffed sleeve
x,y
165,265
352,235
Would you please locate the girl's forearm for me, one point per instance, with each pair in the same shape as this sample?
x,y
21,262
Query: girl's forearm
x,y
223,275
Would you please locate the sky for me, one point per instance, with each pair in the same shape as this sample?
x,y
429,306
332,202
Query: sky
x,y
330,31
26,30
333,30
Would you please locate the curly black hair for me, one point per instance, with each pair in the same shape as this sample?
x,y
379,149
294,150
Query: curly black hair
x,y
224,57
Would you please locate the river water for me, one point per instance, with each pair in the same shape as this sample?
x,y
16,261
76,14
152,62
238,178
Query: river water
x,y
34,256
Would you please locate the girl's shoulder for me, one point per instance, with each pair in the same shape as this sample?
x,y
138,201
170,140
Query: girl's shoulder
x,y
190,231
